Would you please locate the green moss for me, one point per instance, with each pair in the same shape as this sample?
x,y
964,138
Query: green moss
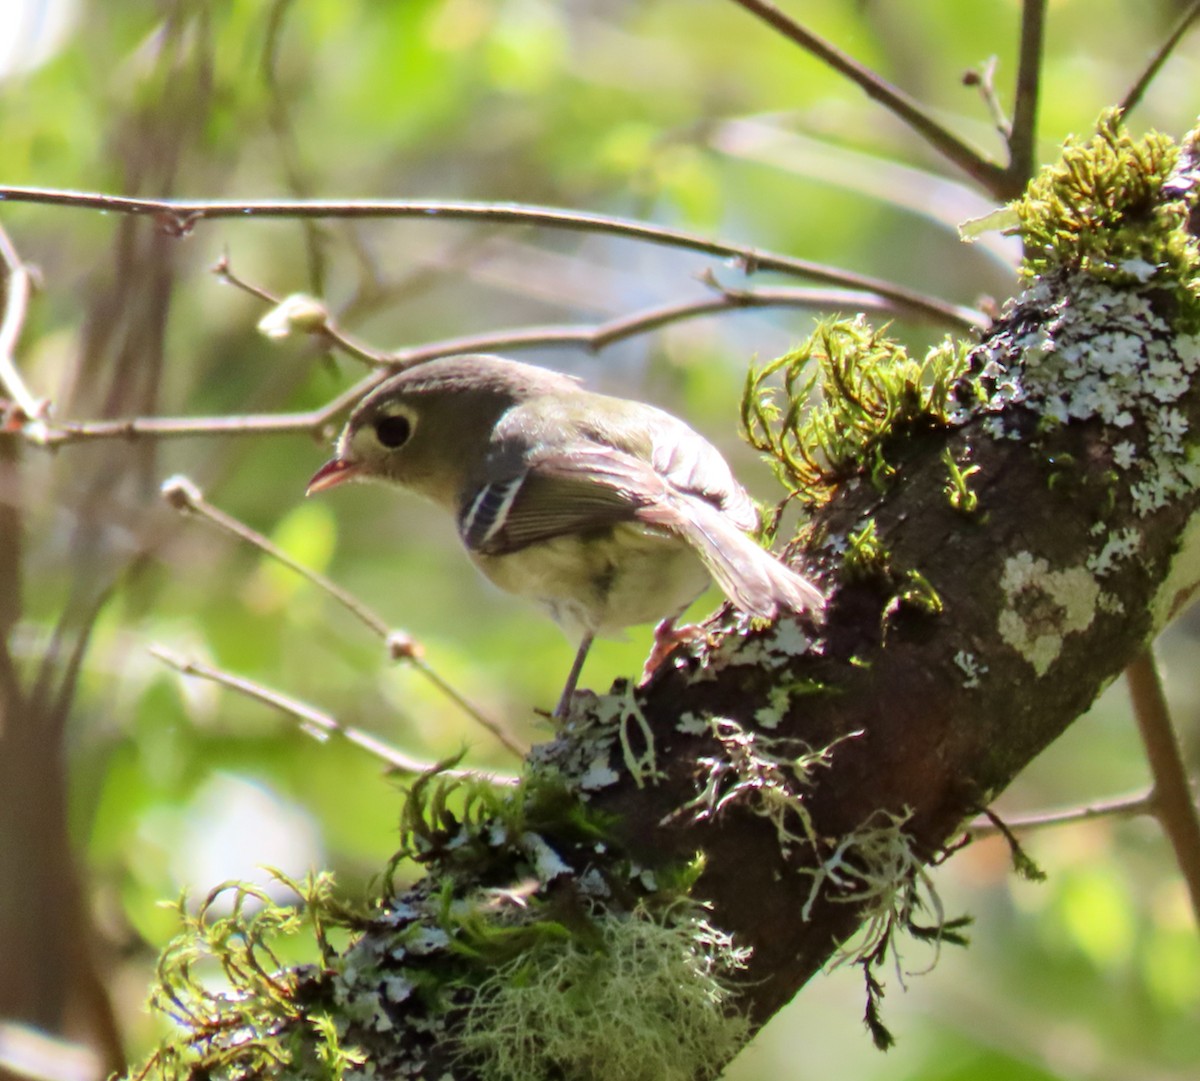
x,y
648,1001
842,404
866,556
462,824
1101,211
916,592
257,1024
962,496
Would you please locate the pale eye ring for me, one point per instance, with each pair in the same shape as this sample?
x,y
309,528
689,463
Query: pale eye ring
x,y
393,431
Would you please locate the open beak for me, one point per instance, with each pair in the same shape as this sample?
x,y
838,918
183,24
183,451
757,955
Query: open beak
x,y
334,472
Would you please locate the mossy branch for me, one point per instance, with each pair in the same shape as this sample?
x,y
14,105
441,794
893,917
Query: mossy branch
x,y
1001,526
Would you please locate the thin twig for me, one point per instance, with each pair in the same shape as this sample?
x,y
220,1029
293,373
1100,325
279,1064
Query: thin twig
x,y
1136,92
183,494
1174,803
326,327
313,722
592,337
1130,806
314,422
972,161
179,217
985,78
16,303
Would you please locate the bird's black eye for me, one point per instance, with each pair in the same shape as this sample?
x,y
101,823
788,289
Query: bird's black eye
x,y
393,431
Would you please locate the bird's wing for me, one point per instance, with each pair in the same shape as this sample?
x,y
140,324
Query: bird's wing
x,y
657,472
559,492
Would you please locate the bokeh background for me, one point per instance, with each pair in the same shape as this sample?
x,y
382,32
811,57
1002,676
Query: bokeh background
x,y
685,112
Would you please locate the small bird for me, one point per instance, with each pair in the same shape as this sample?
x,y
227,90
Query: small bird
x,y
606,512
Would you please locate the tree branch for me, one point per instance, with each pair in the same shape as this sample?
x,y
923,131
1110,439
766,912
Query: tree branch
x,y
1023,139
316,422
182,494
1172,799
178,217
1135,93
991,176
1141,803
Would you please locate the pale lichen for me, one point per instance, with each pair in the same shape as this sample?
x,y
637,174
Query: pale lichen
x,y
1043,607
765,774
642,999
972,667
1119,546
1093,351
878,867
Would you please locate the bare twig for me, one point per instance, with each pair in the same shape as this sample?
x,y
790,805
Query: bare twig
x,y
16,302
592,337
1023,139
985,78
325,327
1174,803
182,494
1130,806
179,217
315,421
972,161
315,723
1135,93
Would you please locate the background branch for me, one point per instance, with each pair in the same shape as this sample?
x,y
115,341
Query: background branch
x,y
178,217
315,723
317,422
987,174
31,410
1138,90
1172,798
1022,141
185,496
1131,806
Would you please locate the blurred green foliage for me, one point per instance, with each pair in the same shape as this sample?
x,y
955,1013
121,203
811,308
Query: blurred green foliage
x,y
686,113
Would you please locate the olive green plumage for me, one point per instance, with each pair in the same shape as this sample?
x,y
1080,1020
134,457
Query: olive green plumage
x,y
607,512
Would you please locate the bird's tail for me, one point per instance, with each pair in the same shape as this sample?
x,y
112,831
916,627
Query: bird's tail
x,y
751,577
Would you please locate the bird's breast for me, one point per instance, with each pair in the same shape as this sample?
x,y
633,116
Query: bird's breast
x,y
603,581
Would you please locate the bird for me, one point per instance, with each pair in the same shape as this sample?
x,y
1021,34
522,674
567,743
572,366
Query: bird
x,y
605,511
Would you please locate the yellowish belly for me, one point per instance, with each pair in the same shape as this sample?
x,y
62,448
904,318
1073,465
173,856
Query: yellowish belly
x,y
601,583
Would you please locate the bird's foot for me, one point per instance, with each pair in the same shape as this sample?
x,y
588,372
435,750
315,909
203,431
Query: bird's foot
x,y
666,637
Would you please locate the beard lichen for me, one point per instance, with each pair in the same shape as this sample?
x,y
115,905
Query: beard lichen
x,y
765,774
646,1001
877,867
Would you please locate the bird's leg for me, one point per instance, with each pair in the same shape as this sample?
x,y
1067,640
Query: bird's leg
x,y
564,701
666,637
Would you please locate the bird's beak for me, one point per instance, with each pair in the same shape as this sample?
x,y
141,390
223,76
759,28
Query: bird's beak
x,y
334,472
